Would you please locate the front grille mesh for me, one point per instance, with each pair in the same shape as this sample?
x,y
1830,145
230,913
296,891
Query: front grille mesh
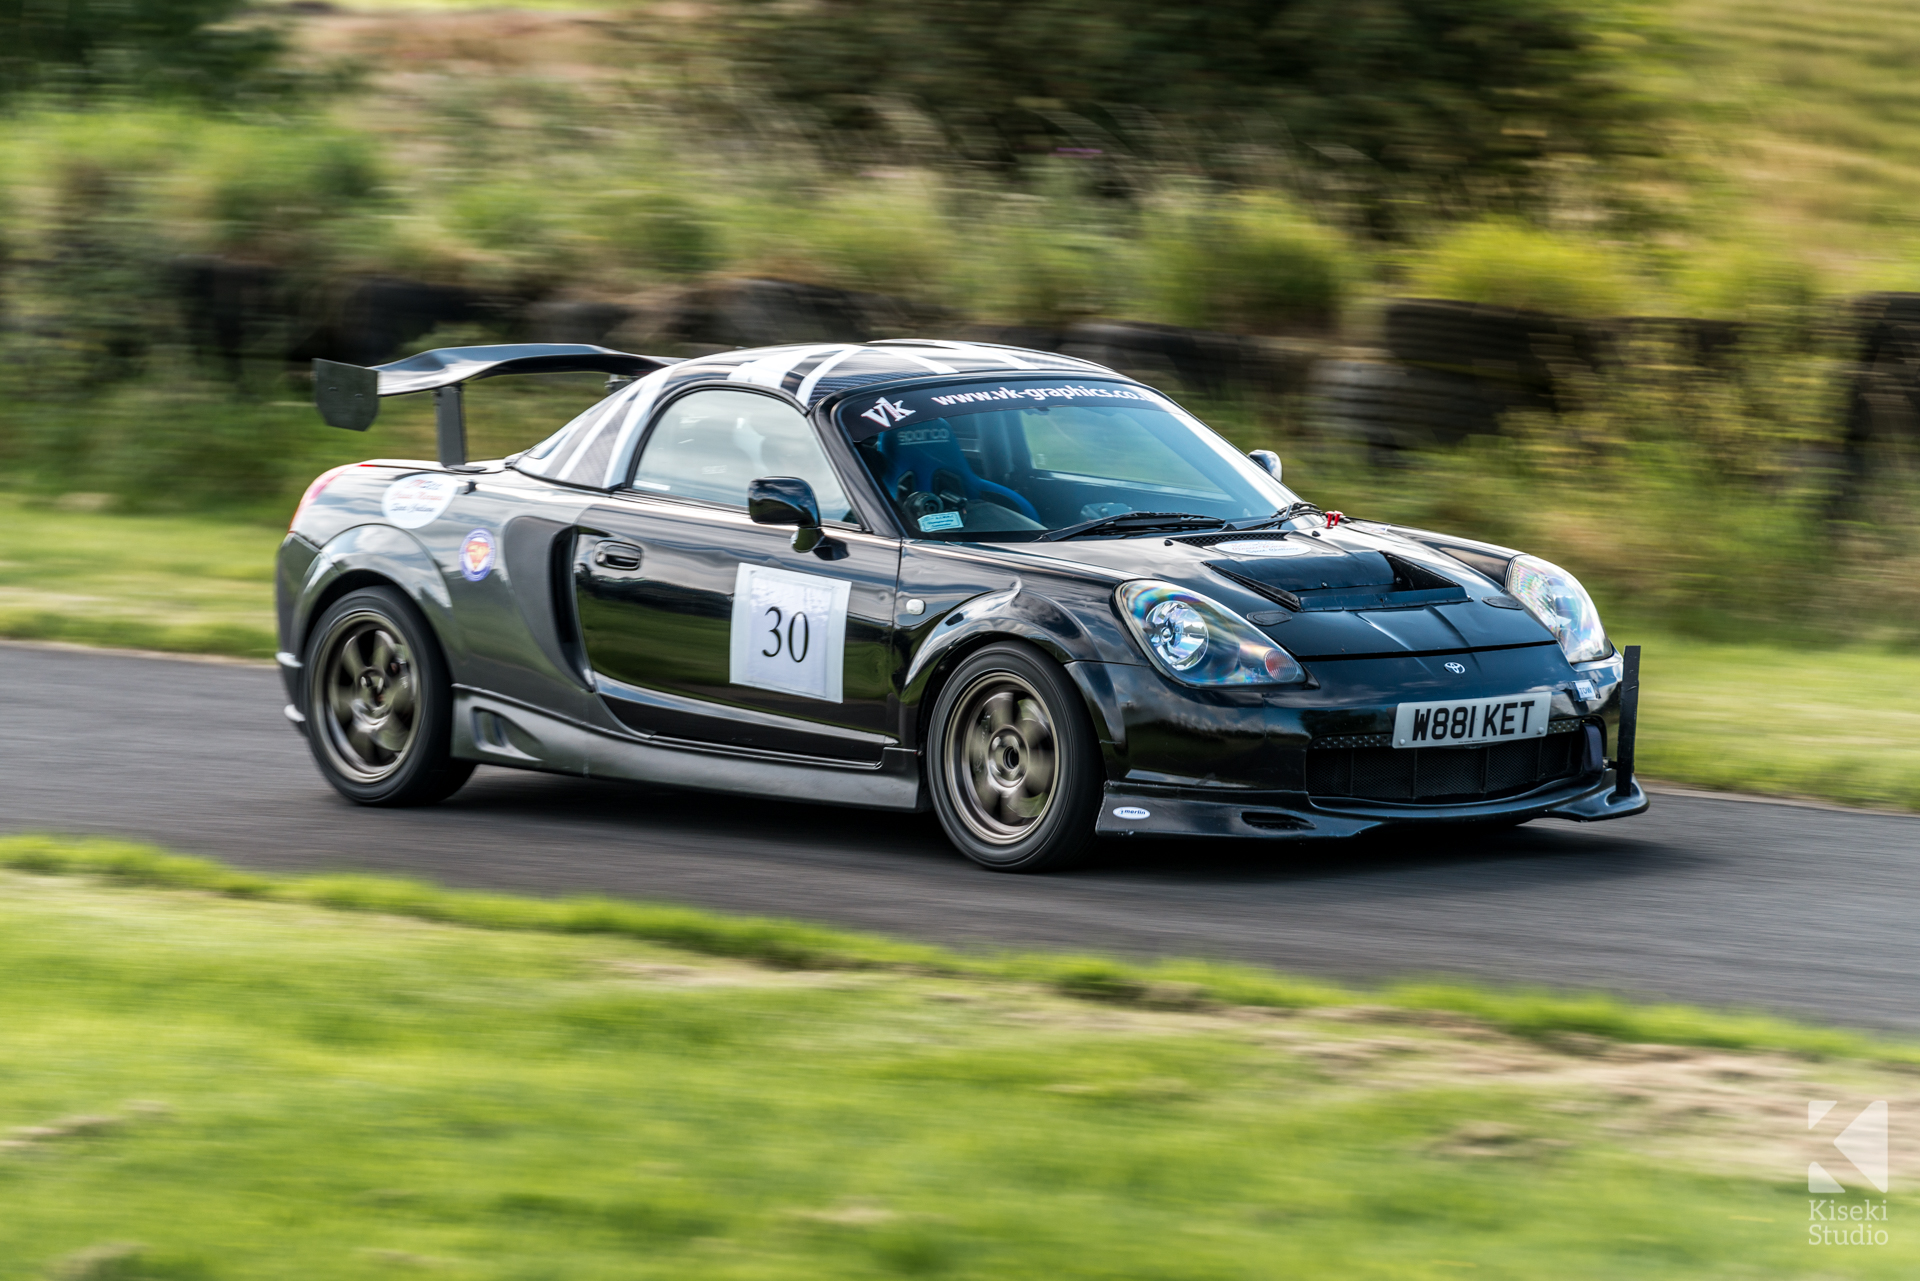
x,y
1366,767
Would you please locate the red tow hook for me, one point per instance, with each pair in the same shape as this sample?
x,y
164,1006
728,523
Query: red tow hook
x,y
1334,518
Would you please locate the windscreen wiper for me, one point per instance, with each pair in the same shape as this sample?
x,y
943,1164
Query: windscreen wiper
x,y
1285,514
1135,523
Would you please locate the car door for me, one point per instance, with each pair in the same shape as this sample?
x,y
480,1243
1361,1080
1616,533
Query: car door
x,y
703,627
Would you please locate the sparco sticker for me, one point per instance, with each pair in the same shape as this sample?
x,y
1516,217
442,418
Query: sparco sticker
x,y
476,556
413,501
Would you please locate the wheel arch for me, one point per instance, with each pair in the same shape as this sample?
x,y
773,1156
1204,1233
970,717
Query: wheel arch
x,y
1016,613
374,556
1089,678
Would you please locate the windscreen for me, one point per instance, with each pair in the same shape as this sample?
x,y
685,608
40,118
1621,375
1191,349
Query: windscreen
x,y
1011,459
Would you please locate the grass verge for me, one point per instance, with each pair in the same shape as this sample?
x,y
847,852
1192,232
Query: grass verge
x,y
177,583
1173,984
1838,724
242,1084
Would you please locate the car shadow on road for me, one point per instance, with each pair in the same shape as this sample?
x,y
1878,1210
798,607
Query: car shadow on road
x,y
1545,851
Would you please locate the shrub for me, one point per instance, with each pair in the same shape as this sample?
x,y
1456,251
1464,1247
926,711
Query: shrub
x,y
1748,281
1030,266
278,193
1512,264
886,235
656,231
189,47
1446,91
1252,263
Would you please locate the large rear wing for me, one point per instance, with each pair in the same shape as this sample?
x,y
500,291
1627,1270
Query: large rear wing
x,y
349,396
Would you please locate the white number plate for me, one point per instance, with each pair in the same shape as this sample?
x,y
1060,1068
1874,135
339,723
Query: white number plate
x,y
789,632
1465,721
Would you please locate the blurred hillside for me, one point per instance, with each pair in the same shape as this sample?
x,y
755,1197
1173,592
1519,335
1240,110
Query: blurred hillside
x,y
1678,394
1809,115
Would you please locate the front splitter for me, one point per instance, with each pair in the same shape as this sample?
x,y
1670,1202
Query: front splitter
x,y
1130,811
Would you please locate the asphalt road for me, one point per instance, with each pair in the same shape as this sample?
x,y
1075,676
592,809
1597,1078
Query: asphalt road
x,y
1800,910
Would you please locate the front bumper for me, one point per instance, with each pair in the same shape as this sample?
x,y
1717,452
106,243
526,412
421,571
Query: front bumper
x,y
1187,812
1262,763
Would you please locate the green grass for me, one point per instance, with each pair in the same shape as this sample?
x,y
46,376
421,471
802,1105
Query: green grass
x,y
281,1090
1812,117
143,582
1839,724
1173,984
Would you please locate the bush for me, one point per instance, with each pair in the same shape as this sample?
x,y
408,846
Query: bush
x,y
275,193
1511,264
187,47
1458,92
521,225
884,235
1748,282
656,231
1033,266
1250,264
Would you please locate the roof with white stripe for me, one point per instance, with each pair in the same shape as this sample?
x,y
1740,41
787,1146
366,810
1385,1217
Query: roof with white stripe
x,y
596,448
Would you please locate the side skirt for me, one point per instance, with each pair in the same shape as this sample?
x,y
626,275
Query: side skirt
x,y
495,730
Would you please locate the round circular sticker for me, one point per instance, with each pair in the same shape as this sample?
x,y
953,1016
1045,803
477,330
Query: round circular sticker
x,y
476,556
416,500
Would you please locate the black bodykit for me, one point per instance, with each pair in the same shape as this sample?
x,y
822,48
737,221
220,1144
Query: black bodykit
x,y
599,641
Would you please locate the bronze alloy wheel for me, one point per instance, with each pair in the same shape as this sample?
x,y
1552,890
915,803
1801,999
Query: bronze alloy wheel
x,y
369,697
379,702
1001,757
1015,771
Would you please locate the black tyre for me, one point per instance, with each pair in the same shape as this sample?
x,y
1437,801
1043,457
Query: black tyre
x,y
1012,761
379,703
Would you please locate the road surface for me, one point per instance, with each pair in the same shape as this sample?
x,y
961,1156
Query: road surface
x,y
1799,910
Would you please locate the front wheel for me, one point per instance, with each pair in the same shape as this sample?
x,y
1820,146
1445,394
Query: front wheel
x,y
380,703
1013,765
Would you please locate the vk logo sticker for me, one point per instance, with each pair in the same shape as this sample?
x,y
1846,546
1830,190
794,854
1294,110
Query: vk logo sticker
x,y
886,412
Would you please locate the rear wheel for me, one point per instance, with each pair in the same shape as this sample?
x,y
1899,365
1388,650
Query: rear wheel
x,y
380,704
1014,767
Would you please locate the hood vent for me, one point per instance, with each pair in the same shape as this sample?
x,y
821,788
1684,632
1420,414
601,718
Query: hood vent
x,y
1363,580
1272,593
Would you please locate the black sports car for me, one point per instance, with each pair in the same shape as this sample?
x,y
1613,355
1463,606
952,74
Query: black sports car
x,y
1019,588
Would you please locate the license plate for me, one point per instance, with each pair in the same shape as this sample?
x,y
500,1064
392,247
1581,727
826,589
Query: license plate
x,y
1466,721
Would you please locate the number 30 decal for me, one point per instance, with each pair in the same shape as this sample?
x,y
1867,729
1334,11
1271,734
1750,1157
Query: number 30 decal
x,y
789,632
798,653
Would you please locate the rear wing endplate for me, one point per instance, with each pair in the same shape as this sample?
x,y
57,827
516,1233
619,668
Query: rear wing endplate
x,y
348,396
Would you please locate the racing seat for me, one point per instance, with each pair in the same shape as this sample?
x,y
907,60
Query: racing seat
x,y
938,466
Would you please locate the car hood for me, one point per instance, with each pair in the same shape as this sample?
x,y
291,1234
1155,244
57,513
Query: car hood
x,y
1354,591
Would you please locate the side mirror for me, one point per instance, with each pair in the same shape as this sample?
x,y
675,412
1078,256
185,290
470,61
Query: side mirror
x,y
1268,460
786,500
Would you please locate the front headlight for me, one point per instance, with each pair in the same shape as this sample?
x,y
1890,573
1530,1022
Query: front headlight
x,y
1200,641
1562,605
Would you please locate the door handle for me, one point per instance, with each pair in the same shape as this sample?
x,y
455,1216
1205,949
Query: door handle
x,y
610,554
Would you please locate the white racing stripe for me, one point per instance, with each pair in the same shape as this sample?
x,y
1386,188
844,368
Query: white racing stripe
x,y
631,418
934,365
805,394
771,371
